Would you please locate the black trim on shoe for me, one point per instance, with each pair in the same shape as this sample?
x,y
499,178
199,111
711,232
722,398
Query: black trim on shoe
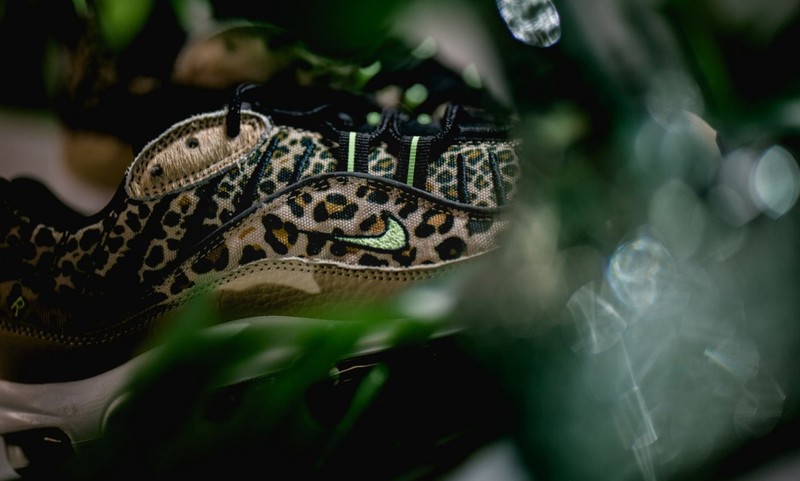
x,y
250,190
353,151
497,180
461,180
301,162
421,144
415,155
121,288
30,198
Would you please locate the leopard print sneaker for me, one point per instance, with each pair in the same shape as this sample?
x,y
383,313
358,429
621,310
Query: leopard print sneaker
x,y
268,211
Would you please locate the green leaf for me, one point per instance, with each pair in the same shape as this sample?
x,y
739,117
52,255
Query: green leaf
x,y
121,20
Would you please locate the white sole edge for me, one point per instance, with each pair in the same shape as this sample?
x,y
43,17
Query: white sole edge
x,y
80,408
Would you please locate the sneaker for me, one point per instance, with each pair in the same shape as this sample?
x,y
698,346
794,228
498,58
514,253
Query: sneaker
x,y
270,211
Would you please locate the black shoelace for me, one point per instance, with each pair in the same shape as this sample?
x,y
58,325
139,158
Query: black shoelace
x,y
333,123
234,115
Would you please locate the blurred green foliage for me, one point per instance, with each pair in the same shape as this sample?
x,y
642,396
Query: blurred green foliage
x,y
664,249
121,21
372,397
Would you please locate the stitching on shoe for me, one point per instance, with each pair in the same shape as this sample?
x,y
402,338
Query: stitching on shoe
x,y
260,127
373,184
234,228
217,167
427,204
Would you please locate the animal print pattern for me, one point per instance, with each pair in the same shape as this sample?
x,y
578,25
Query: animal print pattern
x,y
295,154
381,162
276,192
310,222
289,152
489,178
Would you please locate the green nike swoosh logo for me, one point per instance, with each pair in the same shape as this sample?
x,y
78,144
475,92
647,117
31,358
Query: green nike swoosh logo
x,y
393,238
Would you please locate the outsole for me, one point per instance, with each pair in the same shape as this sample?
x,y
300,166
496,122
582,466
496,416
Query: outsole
x,y
81,409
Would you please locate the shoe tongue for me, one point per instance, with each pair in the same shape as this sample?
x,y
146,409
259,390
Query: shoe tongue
x,y
192,151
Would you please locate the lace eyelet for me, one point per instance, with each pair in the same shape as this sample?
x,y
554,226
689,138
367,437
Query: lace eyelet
x,y
192,143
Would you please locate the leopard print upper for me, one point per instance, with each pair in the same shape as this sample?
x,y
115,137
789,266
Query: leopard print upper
x,y
483,174
381,162
324,218
198,206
